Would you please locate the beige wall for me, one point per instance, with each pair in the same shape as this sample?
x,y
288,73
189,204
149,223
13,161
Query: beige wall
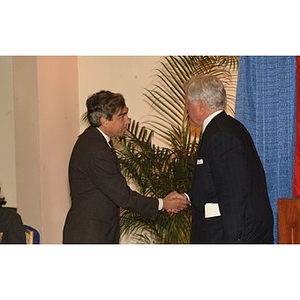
x,y
7,129
45,99
128,75
58,111
46,109
27,140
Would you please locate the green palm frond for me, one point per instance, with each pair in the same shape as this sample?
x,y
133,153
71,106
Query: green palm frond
x,y
171,229
167,96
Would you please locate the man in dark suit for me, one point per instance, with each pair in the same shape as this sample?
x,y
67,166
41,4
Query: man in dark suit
x,y
98,189
229,198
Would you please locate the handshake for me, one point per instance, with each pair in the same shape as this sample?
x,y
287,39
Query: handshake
x,y
175,202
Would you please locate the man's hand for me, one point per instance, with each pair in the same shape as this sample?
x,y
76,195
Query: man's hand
x,y
1,235
175,202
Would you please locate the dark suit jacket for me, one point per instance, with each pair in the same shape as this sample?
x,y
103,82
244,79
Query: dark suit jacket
x,y
12,227
228,171
98,190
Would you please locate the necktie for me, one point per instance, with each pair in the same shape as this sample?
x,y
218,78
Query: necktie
x,y
111,145
199,143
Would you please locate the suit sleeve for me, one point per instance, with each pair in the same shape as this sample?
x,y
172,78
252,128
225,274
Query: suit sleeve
x,y
107,177
229,171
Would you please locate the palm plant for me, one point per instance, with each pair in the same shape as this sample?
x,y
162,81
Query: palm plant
x,y
155,170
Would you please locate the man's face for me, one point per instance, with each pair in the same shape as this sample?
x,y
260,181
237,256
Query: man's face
x,y
119,123
194,112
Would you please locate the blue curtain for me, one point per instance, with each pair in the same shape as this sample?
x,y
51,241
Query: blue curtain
x,y
266,105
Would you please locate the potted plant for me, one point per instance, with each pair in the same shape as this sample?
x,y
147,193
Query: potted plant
x,y
157,170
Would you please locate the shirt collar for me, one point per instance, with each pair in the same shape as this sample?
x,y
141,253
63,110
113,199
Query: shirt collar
x,y
209,118
105,136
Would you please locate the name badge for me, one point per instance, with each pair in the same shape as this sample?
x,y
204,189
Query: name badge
x,y
212,210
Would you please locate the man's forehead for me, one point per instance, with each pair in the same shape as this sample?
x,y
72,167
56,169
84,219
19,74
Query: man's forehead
x,y
123,111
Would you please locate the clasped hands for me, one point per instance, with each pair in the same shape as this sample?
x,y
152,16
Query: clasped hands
x,y
175,202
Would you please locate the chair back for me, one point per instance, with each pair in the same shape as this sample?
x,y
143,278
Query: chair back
x,y
32,235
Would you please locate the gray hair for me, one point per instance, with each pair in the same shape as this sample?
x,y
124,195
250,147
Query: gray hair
x,y
208,88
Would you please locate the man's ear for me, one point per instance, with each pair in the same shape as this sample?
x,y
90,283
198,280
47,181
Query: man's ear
x,y
103,121
202,104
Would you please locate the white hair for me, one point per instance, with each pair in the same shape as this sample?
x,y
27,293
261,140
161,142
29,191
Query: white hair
x,y
206,87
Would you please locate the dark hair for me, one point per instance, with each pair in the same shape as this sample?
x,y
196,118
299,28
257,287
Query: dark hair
x,y
2,199
103,104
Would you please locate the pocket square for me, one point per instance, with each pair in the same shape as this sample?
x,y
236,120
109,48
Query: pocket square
x,y
200,161
212,210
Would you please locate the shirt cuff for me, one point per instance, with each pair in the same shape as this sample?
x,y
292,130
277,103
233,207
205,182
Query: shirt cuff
x,y
160,203
187,197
